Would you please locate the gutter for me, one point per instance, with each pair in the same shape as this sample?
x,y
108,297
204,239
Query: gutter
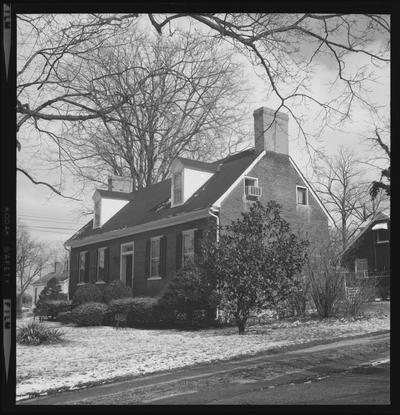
x,y
133,230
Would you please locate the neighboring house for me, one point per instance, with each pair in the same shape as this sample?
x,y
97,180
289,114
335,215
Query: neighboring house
x,y
60,272
368,253
144,237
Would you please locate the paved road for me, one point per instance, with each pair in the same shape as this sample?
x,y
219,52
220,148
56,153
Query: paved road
x,y
353,371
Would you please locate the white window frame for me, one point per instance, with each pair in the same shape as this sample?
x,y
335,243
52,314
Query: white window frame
x,y
174,203
306,189
378,241
126,253
192,253
356,261
244,184
102,249
80,281
154,238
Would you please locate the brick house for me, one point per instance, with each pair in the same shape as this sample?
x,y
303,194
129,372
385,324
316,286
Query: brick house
x,y
368,253
143,237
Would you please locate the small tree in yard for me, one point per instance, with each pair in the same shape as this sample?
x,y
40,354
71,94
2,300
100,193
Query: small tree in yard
x,y
50,293
255,261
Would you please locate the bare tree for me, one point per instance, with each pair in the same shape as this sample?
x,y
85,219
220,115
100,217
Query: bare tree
x,y
184,96
287,47
340,184
383,185
30,261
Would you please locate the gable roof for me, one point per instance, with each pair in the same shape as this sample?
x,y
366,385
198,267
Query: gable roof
x,y
378,217
153,202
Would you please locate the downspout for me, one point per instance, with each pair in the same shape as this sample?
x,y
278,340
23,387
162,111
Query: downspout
x,y
218,312
217,220
69,265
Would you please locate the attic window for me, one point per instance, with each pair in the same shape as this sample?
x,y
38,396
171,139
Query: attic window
x,y
177,188
382,236
96,222
301,195
251,189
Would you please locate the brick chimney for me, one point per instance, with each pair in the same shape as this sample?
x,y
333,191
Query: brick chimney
x,y
120,184
271,137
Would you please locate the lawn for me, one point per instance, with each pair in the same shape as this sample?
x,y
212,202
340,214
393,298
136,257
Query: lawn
x,y
96,354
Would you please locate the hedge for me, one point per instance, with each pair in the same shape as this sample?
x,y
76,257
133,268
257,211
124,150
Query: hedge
x,y
89,314
87,293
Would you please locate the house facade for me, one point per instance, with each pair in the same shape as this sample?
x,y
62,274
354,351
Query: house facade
x,y
369,252
60,272
144,237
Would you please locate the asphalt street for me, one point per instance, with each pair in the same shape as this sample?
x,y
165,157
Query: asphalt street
x,y
351,371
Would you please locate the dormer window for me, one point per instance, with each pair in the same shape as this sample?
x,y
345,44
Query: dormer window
x,y
177,188
96,222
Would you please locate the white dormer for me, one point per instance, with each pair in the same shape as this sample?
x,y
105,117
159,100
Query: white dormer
x,y
108,202
187,176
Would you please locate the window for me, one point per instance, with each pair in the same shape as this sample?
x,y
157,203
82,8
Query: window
x,y
126,265
188,246
251,189
82,266
96,223
155,257
101,262
302,197
177,188
361,266
382,235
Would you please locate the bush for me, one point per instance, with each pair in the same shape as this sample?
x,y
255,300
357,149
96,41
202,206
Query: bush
x,y
89,314
191,297
51,308
36,333
65,317
87,293
140,312
116,290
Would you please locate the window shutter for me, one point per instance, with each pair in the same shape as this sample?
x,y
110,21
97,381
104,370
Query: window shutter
x,y
87,265
163,257
178,250
198,233
106,264
147,260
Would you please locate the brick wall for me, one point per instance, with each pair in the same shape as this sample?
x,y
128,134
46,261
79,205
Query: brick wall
x,y
141,285
278,180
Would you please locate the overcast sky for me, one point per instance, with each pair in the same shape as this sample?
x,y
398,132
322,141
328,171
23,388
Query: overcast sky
x,y
52,218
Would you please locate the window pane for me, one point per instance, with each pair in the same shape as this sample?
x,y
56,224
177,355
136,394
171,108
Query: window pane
x,y
154,267
127,248
301,196
155,248
101,258
177,187
188,242
82,261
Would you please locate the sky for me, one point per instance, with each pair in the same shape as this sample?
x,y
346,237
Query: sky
x,y
53,219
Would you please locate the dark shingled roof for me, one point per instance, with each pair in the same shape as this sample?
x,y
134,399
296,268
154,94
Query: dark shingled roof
x,y
152,203
378,217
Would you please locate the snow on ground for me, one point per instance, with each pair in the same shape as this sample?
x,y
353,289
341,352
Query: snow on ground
x,y
92,354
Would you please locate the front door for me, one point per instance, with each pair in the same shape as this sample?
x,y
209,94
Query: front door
x,y
126,272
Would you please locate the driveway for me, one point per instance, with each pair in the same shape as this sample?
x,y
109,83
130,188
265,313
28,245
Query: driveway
x,y
352,371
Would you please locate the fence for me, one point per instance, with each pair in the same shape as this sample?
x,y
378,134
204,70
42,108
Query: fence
x,y
380,284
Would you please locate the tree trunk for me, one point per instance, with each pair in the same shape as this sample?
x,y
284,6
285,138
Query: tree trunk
x,y
241,325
